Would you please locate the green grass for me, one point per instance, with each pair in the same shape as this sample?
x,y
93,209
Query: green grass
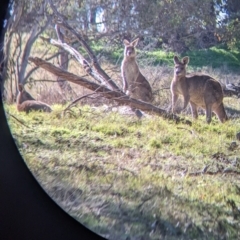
x,y
215,57
131,173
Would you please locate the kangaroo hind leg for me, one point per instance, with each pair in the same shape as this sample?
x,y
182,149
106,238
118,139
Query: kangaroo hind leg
x,y
221,113
194,110
208,113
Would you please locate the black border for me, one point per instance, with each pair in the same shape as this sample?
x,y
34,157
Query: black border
x,y
26,211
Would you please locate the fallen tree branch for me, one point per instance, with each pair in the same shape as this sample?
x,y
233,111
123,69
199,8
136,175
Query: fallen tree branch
x,y
61,21
35,68
230,90
118,96
88,69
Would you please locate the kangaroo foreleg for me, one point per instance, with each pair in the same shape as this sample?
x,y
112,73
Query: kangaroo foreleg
x,y
194,110
186,101
174,101
125,84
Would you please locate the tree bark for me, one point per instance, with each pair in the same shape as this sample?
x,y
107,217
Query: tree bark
x,y
63,59
34,35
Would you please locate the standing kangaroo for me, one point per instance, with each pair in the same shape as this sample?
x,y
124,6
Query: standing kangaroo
x,y
134,83
26,103
198,90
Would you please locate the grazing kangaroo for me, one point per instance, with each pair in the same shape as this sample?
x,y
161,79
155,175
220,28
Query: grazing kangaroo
x,y
134,83
198,90
26,103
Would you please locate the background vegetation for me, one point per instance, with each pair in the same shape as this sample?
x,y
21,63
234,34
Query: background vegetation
x,y
207,30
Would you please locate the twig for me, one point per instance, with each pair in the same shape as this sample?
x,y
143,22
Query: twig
x,y
127,170
18,120
78,99
164,88
118,166
192,132
72,113
146,200
41,80
225,171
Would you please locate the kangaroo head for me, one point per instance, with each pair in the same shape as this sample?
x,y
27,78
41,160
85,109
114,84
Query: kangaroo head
x,y
23,94
180,66
129,50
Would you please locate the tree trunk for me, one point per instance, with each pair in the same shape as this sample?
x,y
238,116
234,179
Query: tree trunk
x,y
63,62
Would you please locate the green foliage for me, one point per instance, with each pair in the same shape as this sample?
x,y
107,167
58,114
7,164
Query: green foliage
x,y
231,35
155,143
110,129
216,57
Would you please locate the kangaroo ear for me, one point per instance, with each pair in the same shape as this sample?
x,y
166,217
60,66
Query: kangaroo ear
x,y
126,42
176,60
185,60
135,42
20,87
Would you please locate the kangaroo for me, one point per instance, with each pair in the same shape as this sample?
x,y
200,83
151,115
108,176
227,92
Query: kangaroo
x,y
198,90
134,83
26,103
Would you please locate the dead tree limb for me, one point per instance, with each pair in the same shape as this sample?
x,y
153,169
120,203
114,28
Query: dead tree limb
x,y
117,96
64,61
61,21
87,67
231,89
35,68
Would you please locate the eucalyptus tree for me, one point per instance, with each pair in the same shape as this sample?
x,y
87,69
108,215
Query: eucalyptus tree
x,y
28,19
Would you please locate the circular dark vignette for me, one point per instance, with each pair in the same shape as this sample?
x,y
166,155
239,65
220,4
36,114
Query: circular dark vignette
x,y
26,211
